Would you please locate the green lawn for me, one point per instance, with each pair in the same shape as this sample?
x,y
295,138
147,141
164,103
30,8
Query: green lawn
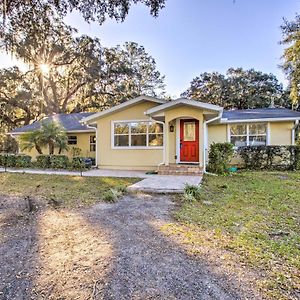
x,y
256,217
70,191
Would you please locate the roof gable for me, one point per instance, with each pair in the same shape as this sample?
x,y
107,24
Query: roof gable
x,y
127,104
184,101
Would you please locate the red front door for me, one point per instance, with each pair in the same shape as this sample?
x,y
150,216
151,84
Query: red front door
x,y
189,140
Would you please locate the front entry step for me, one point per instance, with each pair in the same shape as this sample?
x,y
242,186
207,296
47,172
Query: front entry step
x,y
180,169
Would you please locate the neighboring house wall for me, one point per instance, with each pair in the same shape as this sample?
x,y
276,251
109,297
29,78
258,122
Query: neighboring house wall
x,y
83,142
281,133
108,157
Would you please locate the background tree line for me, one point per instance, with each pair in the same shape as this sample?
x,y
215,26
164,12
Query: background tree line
x,y
70,73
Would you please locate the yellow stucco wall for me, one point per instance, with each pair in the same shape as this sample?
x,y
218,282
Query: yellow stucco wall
x,y
172,140
134,159
83,142
281,133
217,134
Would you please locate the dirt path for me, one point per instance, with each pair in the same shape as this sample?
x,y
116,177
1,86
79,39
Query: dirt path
x,y
147,265
109,251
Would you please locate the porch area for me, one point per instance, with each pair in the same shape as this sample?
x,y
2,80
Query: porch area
x,y
180,170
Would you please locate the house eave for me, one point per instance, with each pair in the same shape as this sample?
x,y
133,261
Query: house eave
x,y
226,121
183,102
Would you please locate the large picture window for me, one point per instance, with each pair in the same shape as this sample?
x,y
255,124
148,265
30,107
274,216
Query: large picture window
x,y
141,134
253,134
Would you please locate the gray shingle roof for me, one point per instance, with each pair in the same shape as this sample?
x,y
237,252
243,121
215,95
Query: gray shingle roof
x,y
70,122
260,113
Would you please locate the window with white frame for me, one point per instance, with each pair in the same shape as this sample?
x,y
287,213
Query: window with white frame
x,y
252,134
92,143
137,134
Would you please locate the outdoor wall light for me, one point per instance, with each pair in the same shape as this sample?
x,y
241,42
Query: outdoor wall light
x,y
172,128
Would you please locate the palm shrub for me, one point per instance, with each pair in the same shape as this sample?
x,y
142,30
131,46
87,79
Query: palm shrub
x,y
50,134
220,155
53,135
30,140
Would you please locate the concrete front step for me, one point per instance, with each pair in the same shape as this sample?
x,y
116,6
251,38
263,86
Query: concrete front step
x,y
182,170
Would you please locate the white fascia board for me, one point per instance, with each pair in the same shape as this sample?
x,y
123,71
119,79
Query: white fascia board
x,y
187,102
131,102
226,121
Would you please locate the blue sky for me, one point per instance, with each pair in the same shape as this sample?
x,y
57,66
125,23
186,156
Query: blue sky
x,y
194,36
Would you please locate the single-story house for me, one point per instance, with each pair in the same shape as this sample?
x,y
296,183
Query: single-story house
x,y
146,132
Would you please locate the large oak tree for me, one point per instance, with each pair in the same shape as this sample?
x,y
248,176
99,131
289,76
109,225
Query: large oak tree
x,y
69,74
92,10
239,89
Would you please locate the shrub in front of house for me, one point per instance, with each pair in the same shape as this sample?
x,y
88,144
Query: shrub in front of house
x,y
8,160
191,192
270,157
2,159
220,155
11,160
59,162
22,161
15,160
77,163
43,161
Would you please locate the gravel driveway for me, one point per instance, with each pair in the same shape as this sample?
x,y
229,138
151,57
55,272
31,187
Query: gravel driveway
x,y
145,264
108,251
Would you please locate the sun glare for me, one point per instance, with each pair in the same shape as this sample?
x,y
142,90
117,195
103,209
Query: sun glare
x,y
44,68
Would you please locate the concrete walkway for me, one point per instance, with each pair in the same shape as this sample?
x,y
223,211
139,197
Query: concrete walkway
x,y
89,173
150,183
165,183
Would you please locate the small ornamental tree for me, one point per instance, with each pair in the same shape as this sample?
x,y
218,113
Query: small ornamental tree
x,y
50,134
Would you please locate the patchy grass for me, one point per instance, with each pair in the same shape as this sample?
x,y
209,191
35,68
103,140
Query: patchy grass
x,y
69,191
254,216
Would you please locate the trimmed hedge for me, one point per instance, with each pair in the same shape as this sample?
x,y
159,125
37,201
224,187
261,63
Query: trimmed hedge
x,y
43,161
12,160
22,161
271,157
59,161
77,163
220,155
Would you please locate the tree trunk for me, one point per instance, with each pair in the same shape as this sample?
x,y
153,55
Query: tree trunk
x,y
51,147
38,149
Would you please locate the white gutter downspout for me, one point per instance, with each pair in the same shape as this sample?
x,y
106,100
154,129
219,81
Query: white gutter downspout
x,y
294,131
206,139
164,140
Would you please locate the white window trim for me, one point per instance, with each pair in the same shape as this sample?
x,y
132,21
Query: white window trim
x,y
112,138
95,143
267,134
